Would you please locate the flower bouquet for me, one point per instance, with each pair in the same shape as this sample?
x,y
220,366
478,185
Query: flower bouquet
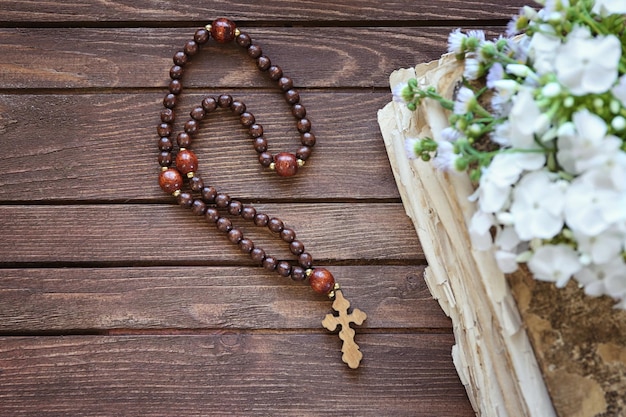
x,y
510,155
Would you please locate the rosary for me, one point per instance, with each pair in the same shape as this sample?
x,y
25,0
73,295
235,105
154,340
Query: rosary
x,y
180,178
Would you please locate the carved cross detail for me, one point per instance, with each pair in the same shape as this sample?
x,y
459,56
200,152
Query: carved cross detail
x,y
351,354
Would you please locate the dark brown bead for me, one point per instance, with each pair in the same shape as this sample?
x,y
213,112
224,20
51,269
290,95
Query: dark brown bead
x,y
176,87
257,255
165,159
266,159
285,83
176,72
263,63
303,125
169,101
224,101
170,180
222,200
304,152
254,51
248,213
180,58
235,207
283,268
209,194
191,48
198,207
288,235
235,235
246,245
275,225
224,225
201,36
244,40
298,111
192,127
186,161
185,199
307,139
322,281
209,104
261,219
196,183
167,115
275,72
298,273
270,263
296,247
165,144
305,260
211,215
223,30
238,107
292,96
183,139
198,113
247,119
255,130
260,144
286,164
164,129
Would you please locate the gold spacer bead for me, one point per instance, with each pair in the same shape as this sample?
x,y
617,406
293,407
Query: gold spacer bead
x,y
182,149
272,166
308,272
301,163
190,174
333,292
237,32
208,27
164,168
176,193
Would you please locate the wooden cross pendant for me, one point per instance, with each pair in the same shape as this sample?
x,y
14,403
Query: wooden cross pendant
x,y
351,354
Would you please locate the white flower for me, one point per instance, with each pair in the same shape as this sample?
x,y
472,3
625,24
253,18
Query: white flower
x,y
472,67
397,90
456,42
495,183
583,143
445,158
600,248
542,50
409,146
606,279
588,65
507,261
554,263
537,206
480,230
619,90
526,119
592,204
465,101
607,7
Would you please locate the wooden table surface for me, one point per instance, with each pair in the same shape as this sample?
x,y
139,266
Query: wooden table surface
x,y
115,301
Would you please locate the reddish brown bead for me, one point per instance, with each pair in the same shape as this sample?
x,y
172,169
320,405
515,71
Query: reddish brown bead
x,y
303,125
164,129
183,139
307,139
201,36
322,281
261,219
275,72
186,161
209,194
298,111
211,215
248,213
298,273
266,159
167,115
176,87
176,72
165,159
235,235
196,183
286,164
224,101
246,245
288,235
170,180
198,207
285,83
198,113
254,51
296,247
209,104
169,101
180,58
270,263
292,96
165,144
222,200
257,255
235,207
244,40
223,30
238,107
255,130
304,153
247,119
305,260
283,268
185,199
263,63
191,48
191,127
224,225
260,144
275,225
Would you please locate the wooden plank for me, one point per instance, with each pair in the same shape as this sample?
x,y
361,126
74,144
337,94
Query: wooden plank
x,y
206,297
229,373
104,147
142,57
276,11
168,233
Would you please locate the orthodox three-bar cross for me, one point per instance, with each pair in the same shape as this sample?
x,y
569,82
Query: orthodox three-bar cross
x,y
351,354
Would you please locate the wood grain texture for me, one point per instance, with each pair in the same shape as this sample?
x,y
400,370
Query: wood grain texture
x,y
273,11
104,146
168,233
206,298
229,373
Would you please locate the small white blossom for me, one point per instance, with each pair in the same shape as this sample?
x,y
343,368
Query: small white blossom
x,y
409,147
472,68
542,50
445,158
606,279
456,41
465,100
397,92
554,263
607,7
619,90
480,230
600,248
585,64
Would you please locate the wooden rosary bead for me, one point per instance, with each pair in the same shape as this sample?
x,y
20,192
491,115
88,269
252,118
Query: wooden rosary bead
x,y
224,225
198,207
191,48
164,129
244,40
183,140
298,273
260,144
286,164
285,83
211,215
180,58
235,207
198,113
270,263
292,96
261,219
170,180
209,104
288,235
235,235
266,159
303,125
169,101
223,30
167,115
257,255
255,130
165,159
298,111
246,245
176,87
238,107
283,268
224,101
222,200
322,281
308,139
196,183
186,161
209,194
296,247
248,213
275,225
275,72
165,144
254,51
305,260
191,127
185,200
263,63
201,36
303,152
176,72
247,119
